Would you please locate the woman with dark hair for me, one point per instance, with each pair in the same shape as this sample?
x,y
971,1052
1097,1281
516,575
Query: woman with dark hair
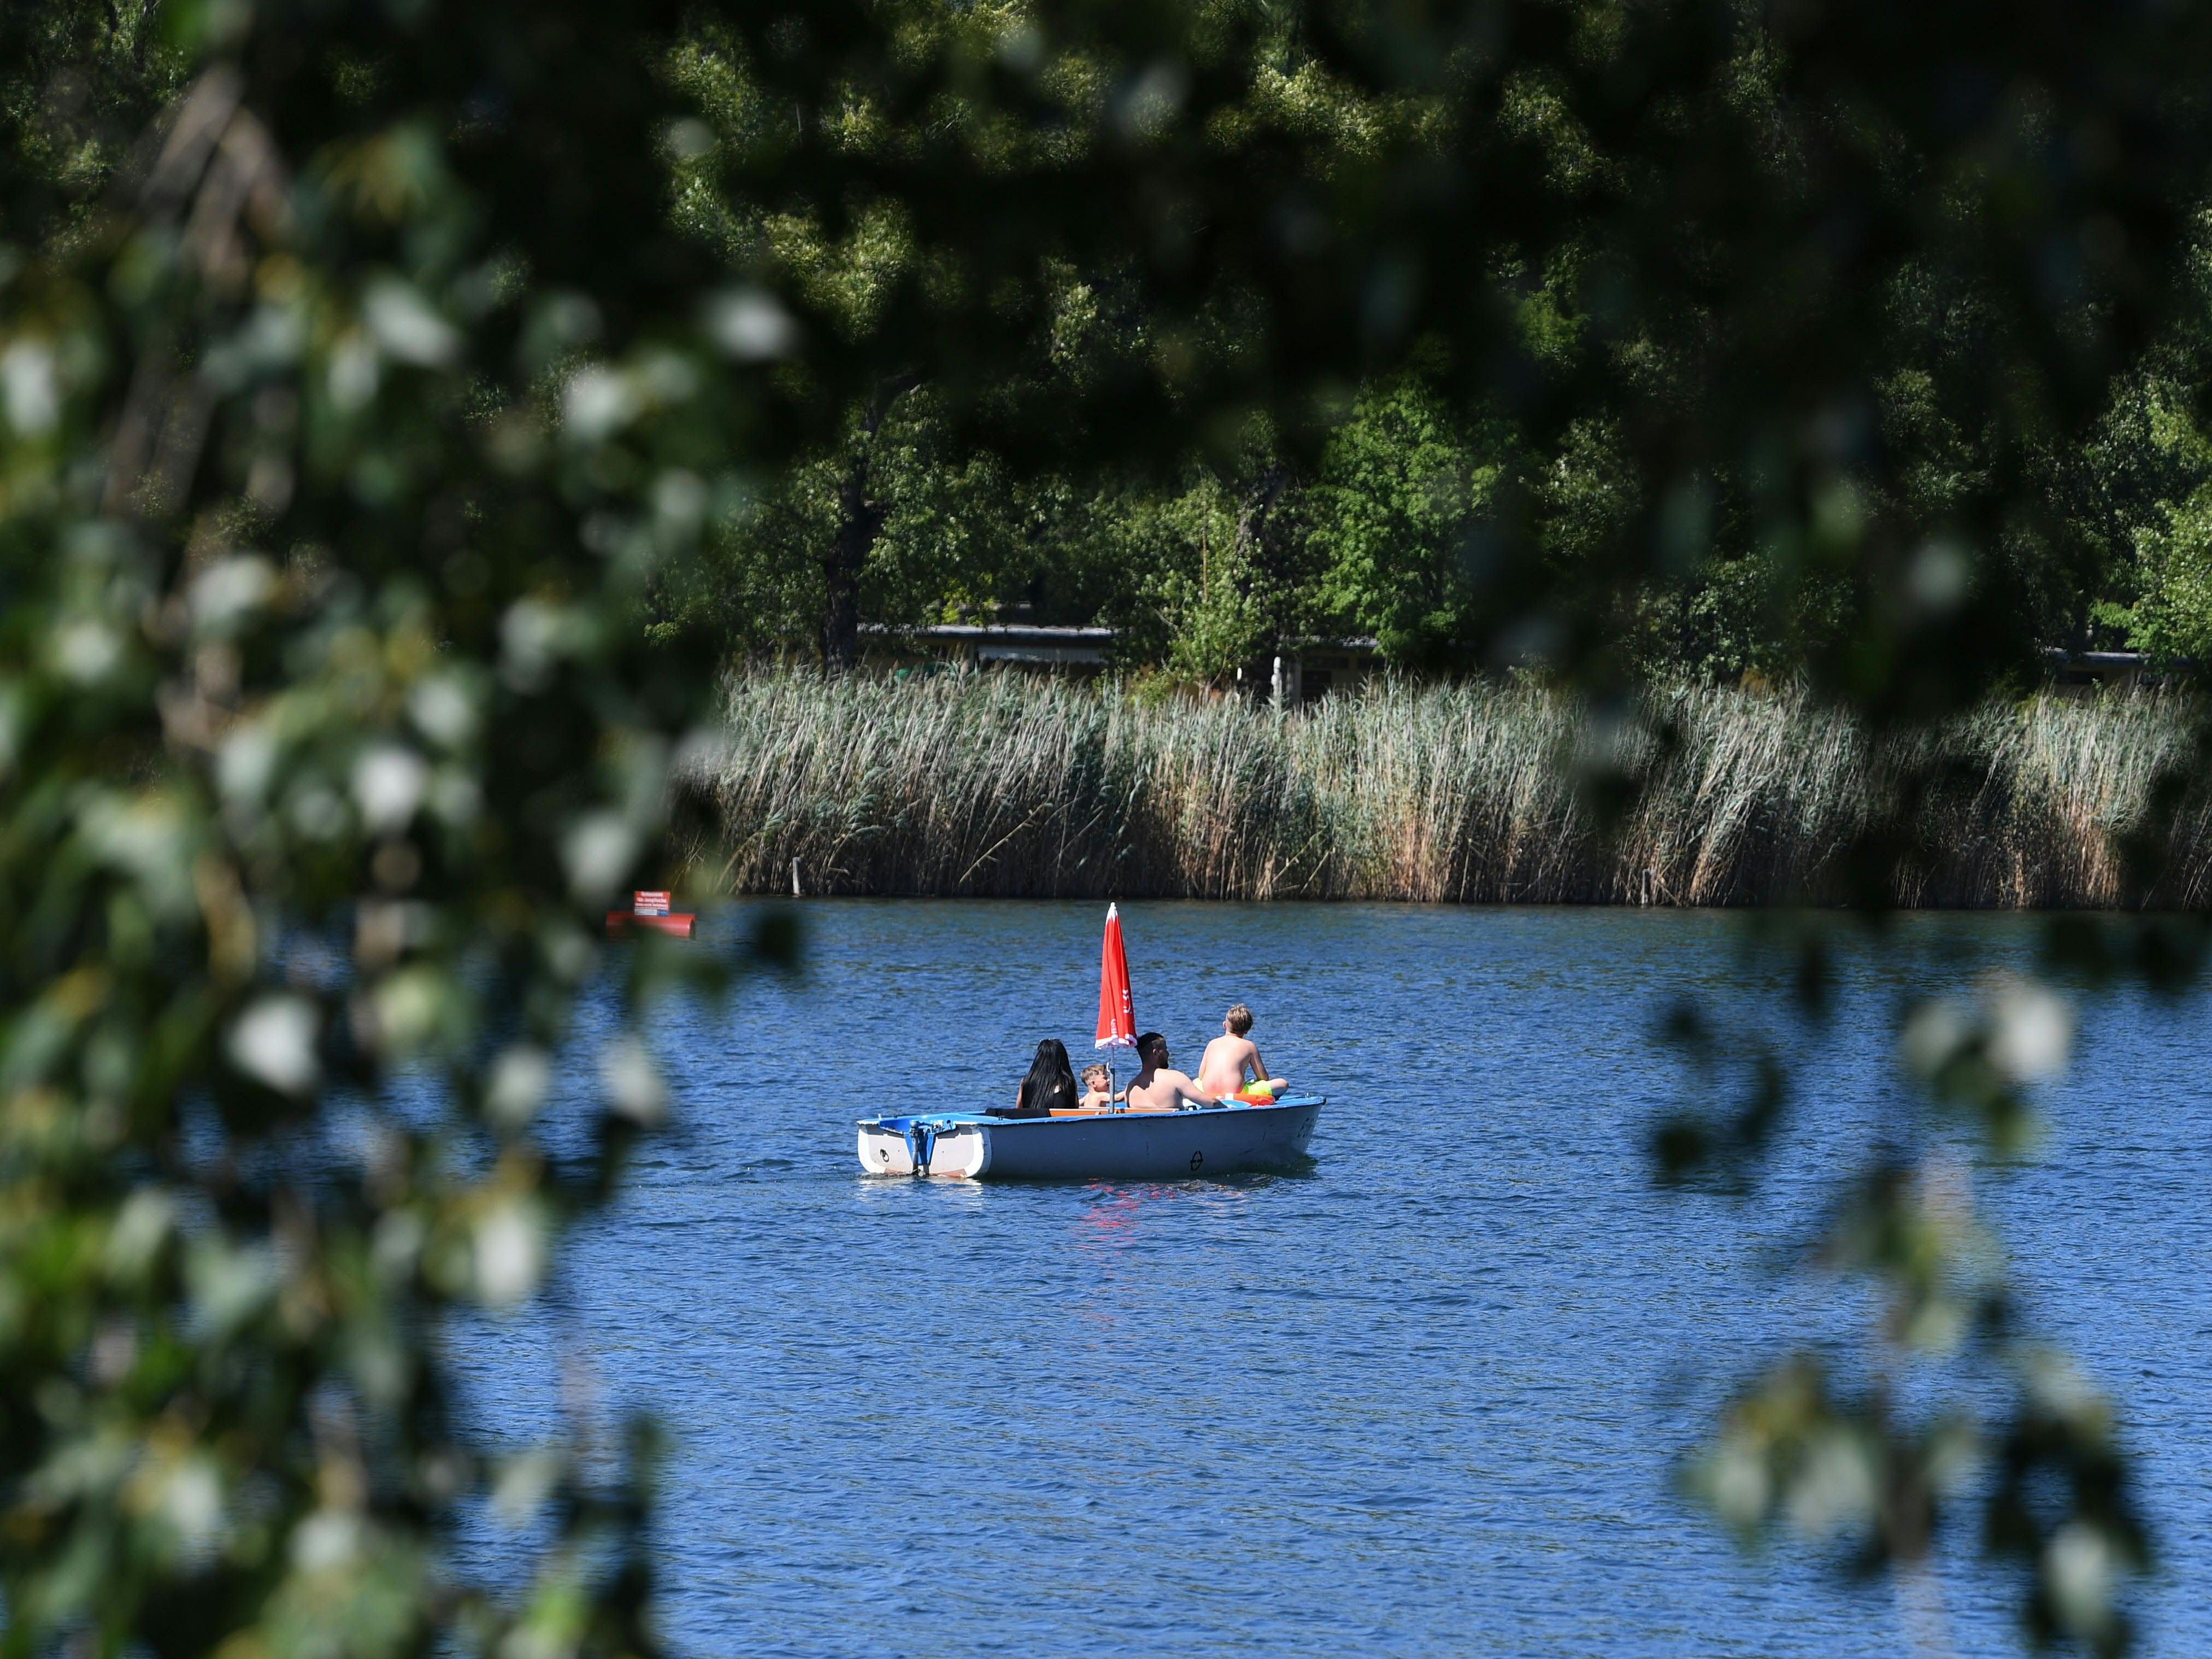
x,y
1049,1084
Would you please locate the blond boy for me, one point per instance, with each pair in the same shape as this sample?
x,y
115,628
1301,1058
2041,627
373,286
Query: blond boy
x,y
1232,1059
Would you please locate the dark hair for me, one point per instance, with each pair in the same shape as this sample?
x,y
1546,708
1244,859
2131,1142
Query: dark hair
x,y
1049,1083
1149,1042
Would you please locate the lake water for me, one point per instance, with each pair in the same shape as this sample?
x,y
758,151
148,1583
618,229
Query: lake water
x,y
1421,1398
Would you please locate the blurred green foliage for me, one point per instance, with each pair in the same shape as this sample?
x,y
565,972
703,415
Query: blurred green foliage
x,y
408,407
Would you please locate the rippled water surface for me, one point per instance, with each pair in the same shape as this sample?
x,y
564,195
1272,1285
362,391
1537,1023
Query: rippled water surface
x,y
1420,1398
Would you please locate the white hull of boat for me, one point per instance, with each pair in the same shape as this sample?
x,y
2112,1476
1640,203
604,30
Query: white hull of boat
x,y
1107,1146
962,1152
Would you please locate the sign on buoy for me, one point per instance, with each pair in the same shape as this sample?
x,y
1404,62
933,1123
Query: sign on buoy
x,y
650,909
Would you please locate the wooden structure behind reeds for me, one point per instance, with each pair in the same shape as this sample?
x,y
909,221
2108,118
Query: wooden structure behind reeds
x,y
1006,786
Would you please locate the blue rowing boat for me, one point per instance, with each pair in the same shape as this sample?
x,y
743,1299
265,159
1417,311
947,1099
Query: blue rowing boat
x,y
1199,1141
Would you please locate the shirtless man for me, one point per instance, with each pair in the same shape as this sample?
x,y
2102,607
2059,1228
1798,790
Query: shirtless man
x,y
1158,1087
1232,1059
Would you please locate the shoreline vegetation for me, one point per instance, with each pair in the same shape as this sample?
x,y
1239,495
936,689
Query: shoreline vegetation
x,y
1001,785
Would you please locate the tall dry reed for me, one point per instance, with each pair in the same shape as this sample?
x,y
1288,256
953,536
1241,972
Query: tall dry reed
x,y
1007,785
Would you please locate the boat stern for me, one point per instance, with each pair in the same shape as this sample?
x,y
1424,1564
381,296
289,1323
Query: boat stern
x,y
946,1148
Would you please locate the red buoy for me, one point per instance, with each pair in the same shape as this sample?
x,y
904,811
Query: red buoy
x,y
650,910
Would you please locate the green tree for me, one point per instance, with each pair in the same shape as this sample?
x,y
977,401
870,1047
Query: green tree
x,y
2134,492
1399,513
78,84
2171,615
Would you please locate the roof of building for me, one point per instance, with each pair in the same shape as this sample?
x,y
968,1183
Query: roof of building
x,y
1041,633
1036,642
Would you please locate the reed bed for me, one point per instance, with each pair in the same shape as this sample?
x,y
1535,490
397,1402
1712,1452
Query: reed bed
x,y
1003,784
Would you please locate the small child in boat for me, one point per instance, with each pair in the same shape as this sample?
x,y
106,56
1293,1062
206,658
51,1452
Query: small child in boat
x,y
1232,1060
1097,1089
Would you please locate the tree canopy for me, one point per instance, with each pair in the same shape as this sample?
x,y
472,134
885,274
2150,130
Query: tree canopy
x,y
1863,295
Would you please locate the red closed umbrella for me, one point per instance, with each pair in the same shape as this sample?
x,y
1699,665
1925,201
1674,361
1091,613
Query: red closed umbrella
x,y
1117,1018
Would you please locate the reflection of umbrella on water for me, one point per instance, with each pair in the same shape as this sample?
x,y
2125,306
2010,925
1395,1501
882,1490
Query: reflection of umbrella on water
x,y
1117,1017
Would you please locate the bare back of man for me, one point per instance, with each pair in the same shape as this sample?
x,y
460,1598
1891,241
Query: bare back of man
x,y
1232,1058
1159,1087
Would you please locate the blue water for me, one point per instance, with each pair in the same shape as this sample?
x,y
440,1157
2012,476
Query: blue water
x,y
1423,1398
